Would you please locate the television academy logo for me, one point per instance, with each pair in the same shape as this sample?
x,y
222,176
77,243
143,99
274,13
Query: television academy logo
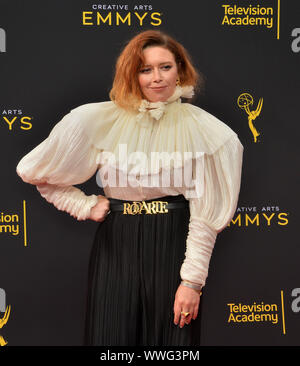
x,y
261,312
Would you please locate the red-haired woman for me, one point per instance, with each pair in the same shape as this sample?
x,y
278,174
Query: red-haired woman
x,y
171,176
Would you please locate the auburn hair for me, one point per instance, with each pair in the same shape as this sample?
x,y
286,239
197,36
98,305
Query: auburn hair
x,y
125,90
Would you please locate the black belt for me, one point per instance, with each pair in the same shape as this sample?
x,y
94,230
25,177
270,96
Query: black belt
x,y
147,207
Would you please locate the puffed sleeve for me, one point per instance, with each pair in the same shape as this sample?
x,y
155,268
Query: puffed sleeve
x,y
213,211
65,158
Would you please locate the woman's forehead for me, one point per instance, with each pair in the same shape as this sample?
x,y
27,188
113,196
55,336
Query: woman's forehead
x,y
157,55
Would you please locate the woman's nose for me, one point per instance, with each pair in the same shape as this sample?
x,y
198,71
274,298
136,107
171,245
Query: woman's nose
x,y
156,75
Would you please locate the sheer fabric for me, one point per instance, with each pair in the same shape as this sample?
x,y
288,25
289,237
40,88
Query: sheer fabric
x,y
142,148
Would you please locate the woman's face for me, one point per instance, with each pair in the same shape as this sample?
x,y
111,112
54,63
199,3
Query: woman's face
x,y
157,77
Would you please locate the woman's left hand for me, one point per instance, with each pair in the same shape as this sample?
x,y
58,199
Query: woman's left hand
x,y
187,300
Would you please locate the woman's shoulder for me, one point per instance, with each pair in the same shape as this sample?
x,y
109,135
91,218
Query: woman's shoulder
x,y
204,125
94,107
97,119
97,115
206,118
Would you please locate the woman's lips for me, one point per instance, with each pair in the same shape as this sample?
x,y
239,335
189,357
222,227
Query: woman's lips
x,y
159,88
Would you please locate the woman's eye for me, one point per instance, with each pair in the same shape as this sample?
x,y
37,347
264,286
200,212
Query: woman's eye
x,y
145,70
165,67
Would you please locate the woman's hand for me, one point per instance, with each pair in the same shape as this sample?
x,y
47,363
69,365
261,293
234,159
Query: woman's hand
x,y
100,210
187,300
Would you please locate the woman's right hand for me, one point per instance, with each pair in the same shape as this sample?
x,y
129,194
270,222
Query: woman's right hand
x,y
100,210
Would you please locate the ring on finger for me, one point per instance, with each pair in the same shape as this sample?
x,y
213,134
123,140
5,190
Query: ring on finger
x,y
185,313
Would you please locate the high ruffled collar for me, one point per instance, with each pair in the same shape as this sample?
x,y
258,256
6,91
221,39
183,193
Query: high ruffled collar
x,y
157,109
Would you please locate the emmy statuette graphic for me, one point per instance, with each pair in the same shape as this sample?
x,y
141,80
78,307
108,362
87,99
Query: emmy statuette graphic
x,y
4,319
244,101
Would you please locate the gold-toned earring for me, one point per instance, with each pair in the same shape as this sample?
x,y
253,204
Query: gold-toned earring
x,y
178,81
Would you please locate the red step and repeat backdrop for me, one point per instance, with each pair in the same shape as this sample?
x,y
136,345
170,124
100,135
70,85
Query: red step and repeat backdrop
x,y
56,55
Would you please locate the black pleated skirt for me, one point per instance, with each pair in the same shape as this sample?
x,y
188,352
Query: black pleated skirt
x,y
134,273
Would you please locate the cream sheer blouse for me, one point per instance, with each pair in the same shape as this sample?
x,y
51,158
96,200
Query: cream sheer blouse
x,y
99,137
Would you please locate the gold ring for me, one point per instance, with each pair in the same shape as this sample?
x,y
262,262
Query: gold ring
x,y
185,314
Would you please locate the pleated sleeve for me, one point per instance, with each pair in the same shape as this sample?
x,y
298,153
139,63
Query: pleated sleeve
x,y
65,158
213,211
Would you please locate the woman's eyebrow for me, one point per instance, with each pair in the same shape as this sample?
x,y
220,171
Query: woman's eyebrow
x,y
162,63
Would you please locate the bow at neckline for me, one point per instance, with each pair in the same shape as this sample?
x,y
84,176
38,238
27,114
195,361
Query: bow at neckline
x,y
157,109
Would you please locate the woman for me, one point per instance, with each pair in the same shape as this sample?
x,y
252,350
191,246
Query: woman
x,y
155,237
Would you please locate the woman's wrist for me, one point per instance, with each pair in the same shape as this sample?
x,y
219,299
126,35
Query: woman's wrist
x,y
195,286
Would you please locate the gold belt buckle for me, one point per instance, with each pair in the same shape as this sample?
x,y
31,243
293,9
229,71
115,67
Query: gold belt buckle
x,y
136,207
